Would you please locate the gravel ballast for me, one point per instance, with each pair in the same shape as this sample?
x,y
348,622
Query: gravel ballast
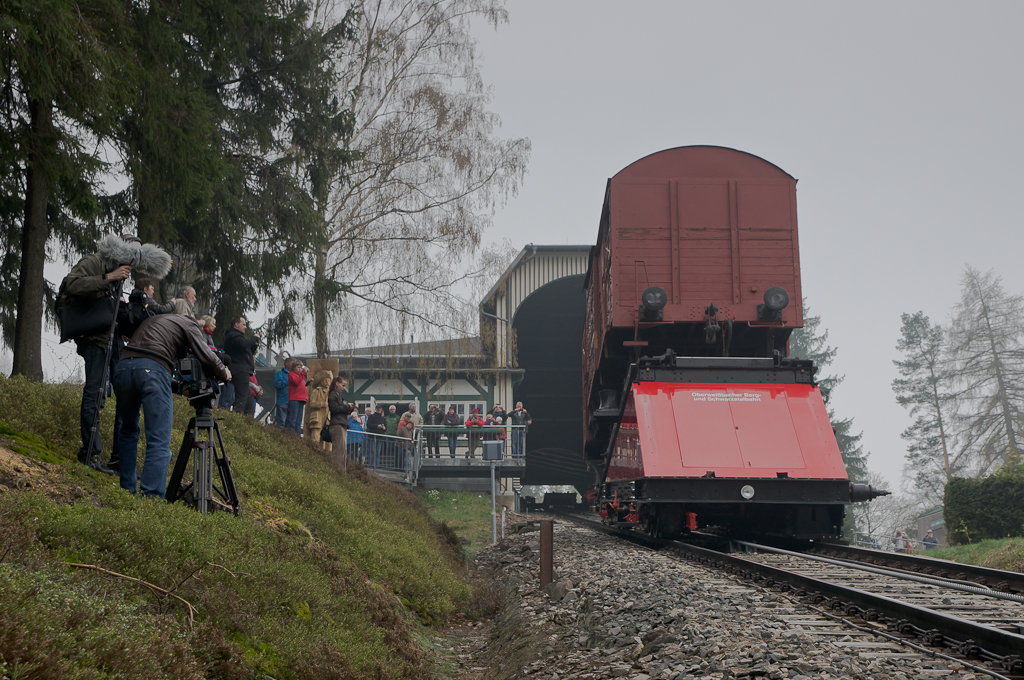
x,y
621,611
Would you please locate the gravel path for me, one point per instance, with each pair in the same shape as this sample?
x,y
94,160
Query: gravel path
x,y
621,611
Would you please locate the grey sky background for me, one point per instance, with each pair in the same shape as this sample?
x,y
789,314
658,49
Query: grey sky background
x,y
900,120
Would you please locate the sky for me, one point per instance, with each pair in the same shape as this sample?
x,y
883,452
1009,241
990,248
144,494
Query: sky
x,y
901,122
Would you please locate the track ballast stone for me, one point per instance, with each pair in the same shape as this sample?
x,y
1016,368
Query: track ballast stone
x,y
622,611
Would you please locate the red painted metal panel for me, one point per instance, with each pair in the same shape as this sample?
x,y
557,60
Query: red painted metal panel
x,y
733,430
690,215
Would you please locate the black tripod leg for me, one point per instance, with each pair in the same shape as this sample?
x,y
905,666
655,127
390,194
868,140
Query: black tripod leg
x,y
226,478
174,486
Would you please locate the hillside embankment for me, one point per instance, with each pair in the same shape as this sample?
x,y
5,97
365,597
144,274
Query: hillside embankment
x,y
325,575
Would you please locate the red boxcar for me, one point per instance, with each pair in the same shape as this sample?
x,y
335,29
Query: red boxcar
x,y
694,289
708,225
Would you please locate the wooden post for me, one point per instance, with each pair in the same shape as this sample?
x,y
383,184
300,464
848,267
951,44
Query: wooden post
x,y
547,534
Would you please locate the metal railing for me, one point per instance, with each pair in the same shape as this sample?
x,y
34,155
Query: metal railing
x,y
888,543
438,441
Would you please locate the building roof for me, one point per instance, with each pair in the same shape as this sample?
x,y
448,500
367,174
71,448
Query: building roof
x,y
528,253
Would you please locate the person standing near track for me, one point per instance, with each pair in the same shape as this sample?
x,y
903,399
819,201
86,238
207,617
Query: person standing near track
x,y
339,410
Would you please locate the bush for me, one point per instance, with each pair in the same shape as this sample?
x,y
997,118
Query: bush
x,y
979,509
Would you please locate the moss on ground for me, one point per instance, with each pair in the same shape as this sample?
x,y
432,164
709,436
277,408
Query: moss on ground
x,y
324,576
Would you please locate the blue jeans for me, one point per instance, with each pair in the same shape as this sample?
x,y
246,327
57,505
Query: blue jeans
x,y
453,440
295,409
144,383
281,415
372,452
227,396
518,436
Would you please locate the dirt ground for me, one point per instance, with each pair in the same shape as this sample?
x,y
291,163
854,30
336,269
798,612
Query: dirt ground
x,y
18,471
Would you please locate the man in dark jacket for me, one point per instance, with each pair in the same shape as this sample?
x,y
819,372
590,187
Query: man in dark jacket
x,y
520,420
376,426
94,277
243,364
142,379
434,418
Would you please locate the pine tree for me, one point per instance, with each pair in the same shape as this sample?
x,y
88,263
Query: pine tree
x,y
811,343
61,88
225,146
926,389
987,345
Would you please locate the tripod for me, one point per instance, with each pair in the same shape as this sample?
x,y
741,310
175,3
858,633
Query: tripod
x,y
202,493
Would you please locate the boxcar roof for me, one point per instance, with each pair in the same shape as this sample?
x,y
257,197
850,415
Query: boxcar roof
x,y
704,162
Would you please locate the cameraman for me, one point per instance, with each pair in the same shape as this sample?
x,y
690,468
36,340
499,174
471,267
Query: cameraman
x,y
241,349
143,379
93,278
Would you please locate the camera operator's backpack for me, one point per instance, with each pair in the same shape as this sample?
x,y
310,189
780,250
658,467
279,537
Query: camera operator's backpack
x,y
83,318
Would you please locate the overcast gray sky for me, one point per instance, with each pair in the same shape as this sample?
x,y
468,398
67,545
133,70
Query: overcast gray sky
x,y
900,120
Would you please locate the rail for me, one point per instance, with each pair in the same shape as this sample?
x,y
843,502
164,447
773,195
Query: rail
x,y
996,579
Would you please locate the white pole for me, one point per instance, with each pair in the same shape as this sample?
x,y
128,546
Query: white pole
x,y
503,522
494,515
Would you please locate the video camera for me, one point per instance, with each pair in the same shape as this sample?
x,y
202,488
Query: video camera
x,y
192,381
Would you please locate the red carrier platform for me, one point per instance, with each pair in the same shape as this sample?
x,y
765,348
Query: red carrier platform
x,y
743,430
744,444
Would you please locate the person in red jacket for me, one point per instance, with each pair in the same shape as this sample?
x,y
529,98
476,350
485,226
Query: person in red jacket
x,y
297,396
474,420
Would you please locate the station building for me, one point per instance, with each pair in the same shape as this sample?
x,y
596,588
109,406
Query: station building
x,y
529,349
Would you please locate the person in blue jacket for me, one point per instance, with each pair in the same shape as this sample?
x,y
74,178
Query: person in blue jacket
x,y
281,385
355,438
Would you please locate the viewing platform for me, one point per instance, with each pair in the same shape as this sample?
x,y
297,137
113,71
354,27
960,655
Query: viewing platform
x,y
412,462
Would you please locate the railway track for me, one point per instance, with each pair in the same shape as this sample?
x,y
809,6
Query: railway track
x,y
996,579
979,629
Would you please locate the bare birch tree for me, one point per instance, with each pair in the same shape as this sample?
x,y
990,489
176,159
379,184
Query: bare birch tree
x,y
881,517
987,344
429,169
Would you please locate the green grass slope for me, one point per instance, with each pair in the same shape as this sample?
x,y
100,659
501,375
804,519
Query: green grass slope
x,y
324,576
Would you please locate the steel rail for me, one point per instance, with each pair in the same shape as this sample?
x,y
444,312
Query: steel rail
x,y
967,638
903,575
997,579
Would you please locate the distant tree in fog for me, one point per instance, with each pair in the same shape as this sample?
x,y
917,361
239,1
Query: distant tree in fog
x,y
987,345
925,387
811,342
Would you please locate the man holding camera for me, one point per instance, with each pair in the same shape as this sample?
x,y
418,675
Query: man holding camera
x,y
241,350
142,379
95,278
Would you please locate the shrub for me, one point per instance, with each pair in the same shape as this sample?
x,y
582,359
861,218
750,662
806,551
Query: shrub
x,y
978,509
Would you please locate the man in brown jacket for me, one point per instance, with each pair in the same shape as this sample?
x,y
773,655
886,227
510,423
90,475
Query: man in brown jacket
x,y
142,379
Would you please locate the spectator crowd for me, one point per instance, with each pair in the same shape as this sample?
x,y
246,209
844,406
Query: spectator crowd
x,y
135,345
